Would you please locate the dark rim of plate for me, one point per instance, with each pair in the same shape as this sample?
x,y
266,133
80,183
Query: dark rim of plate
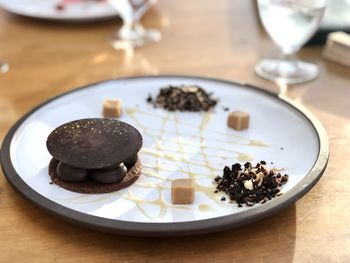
x,y
175,228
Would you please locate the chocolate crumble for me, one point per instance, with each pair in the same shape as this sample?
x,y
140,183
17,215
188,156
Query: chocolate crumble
x,y
250,184
149,98
183,98
226,108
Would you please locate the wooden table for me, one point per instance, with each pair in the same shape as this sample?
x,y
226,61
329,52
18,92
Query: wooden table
x,y
212,38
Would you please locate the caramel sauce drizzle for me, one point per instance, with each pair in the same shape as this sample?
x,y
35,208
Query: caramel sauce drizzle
x,y
179,158
246,141
205,208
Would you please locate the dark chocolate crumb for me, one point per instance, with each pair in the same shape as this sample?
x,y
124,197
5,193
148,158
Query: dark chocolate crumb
x,y
282,148
149,98
226,108
223,198
284,178
246,165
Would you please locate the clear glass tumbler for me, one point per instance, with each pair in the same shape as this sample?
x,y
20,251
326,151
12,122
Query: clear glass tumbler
x,y
290,24
4,67
132,33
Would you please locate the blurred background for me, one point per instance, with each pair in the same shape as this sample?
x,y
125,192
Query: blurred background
x,y
53,46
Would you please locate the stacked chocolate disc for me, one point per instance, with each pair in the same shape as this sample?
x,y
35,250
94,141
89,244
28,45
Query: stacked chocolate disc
x,y
94,155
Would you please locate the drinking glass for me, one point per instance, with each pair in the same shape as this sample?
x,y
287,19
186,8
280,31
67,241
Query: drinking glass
x,y
132,32
290,24
4,67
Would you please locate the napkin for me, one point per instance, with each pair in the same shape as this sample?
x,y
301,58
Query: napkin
x,y
337,48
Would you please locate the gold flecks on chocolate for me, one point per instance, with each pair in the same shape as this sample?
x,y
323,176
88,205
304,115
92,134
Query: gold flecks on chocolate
x,y
103,142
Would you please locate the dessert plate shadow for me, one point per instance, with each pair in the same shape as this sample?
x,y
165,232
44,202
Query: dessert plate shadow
x,y
176,145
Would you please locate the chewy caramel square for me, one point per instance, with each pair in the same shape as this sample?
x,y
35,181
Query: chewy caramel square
x,y
112,108
182,191
238,120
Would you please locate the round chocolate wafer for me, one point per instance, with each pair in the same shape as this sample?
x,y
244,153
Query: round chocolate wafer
x,y
92,187
94,143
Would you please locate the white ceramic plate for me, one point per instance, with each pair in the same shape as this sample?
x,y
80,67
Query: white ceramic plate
x,y
176,145
45,9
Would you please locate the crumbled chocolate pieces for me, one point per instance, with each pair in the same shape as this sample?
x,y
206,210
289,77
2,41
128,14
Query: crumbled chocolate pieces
x,y
149,98
250,185
183,98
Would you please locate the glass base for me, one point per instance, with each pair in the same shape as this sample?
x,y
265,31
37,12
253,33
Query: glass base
x,y
287,71
4,67
135,39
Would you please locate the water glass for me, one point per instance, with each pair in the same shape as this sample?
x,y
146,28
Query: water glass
x,y
290,24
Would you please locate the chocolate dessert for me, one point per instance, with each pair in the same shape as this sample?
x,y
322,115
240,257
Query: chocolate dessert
x,y
94,155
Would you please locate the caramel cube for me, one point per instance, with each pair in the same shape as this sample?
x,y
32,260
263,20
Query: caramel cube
x,y
112,108
238,120
182,191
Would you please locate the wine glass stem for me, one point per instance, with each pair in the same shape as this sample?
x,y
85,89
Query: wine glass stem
x,y
288,57
132,27
287,64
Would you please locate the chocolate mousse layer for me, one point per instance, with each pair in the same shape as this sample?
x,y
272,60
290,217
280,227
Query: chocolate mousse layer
x,y
90,186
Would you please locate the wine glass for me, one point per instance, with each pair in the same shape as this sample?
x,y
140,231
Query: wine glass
x,y
290,24
132,32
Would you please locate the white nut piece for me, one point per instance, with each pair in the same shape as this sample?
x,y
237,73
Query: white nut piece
x,y
259,178
266,169
248,184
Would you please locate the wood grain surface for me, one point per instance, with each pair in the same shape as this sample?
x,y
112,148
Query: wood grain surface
x,y
220,39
